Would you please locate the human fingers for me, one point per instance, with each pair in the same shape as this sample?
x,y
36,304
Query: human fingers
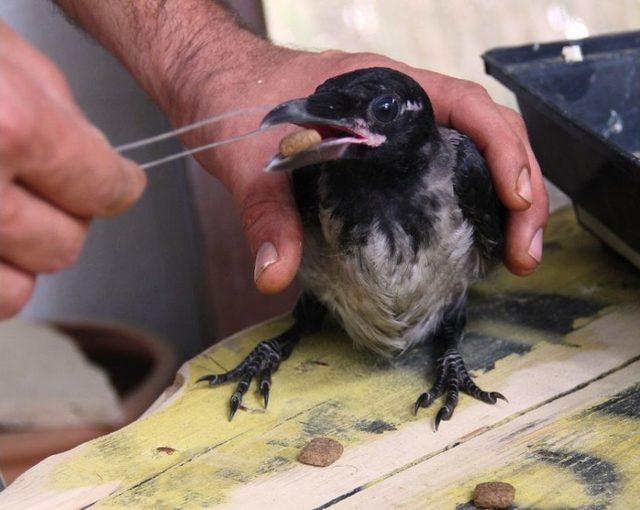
x,y
525,229
17,287
37,237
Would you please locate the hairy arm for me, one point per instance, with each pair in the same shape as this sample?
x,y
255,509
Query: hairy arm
x,y
172,47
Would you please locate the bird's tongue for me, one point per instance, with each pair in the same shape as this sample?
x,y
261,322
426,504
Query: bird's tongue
x,y
331,132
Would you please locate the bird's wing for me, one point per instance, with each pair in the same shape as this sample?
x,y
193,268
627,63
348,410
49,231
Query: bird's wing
x,y
477,198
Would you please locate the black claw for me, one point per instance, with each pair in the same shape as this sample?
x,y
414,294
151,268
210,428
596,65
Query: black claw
x,y
443,414
264,389
234,403
452,376
424,400
211,378
500,396
264,359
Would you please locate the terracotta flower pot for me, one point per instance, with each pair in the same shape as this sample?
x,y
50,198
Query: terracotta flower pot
x,y
139,367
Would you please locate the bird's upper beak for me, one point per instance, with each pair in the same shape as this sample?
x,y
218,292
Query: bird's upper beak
x,y
337,135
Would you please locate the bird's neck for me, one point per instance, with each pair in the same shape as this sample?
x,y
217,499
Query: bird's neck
x,y
362,196
386,175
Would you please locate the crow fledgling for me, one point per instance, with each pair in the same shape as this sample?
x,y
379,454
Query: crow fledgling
x,y
400,217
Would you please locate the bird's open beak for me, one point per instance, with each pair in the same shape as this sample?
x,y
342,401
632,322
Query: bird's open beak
x,y
337,135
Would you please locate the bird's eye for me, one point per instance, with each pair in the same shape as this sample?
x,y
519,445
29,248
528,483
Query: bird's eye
x,y
385,108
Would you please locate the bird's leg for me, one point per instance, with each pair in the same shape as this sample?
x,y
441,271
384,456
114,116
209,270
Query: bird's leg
x,y
451,372
265,359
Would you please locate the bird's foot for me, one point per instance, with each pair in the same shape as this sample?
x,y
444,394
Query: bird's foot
x,y
451,377
262,362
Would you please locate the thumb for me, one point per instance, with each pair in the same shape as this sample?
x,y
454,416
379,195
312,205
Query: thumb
x,y
272,225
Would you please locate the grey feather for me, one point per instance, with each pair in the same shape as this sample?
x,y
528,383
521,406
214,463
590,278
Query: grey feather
x,y
387,295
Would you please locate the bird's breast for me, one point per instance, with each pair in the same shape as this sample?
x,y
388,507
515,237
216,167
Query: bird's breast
x,y
386,286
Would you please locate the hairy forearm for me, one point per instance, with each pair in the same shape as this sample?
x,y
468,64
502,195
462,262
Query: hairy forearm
x,y
176,49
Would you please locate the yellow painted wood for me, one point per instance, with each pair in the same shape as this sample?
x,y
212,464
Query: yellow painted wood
x,y
531,339
580,451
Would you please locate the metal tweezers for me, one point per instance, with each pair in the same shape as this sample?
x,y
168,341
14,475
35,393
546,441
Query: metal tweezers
x,y
184,129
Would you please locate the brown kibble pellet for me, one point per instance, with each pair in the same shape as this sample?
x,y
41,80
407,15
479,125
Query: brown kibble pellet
x,y
299,141
494,495
321,451
166,449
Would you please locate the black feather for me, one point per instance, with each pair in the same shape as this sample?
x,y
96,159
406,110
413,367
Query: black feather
x,y
362,196
478,201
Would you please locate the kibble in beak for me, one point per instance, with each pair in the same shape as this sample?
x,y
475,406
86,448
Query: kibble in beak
x,y
299,141
322,140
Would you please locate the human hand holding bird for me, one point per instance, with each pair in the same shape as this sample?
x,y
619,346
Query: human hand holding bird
x,y
265,202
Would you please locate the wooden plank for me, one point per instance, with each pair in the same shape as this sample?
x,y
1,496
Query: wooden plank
x,y
553,370
532,339
579,451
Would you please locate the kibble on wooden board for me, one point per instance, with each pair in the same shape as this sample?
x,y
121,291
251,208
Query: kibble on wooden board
x,y
299,141
321,451
494,495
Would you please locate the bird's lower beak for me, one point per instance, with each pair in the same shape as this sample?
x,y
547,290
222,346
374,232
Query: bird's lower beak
x,y
337,135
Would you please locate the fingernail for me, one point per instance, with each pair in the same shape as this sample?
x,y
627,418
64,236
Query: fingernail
x,y
138,178
523,185
266,256
132,184
535,248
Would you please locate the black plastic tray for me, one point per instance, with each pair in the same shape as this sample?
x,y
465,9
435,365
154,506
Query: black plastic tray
x,y
584,122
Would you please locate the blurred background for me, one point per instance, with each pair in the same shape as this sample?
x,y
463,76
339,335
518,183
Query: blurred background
x,y
447,36
177,265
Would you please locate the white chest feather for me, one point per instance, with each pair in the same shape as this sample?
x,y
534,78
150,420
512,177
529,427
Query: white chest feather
x,y
389,298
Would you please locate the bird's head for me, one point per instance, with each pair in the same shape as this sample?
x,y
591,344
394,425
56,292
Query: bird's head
x,y
369,114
